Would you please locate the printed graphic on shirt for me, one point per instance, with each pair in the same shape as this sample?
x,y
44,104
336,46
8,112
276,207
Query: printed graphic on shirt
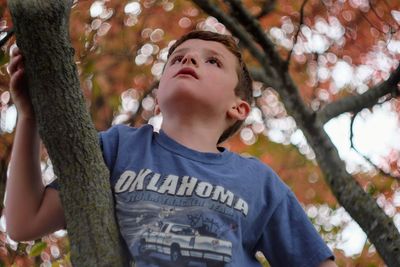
x,y
169,220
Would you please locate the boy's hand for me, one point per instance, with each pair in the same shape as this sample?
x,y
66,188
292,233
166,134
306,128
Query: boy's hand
x,y
18,84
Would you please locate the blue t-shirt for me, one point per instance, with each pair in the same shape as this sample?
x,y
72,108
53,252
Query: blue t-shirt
x,y
180,207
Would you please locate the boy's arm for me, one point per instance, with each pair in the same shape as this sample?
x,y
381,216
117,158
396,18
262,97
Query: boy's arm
x,y
31,210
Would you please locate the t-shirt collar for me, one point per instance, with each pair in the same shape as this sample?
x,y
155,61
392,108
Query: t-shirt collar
x,y
207,157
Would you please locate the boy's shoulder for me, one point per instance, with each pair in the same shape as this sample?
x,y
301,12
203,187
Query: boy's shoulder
x,y
120,137
253,163
122,132
259,171
126,129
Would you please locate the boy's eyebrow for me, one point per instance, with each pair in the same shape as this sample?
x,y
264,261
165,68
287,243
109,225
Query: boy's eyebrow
x,y
208,50
215,53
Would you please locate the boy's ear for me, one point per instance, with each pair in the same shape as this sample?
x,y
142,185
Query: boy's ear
x,y
157,108
239,110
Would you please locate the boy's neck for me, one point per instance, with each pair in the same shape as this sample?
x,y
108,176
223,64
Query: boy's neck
x,y
202,137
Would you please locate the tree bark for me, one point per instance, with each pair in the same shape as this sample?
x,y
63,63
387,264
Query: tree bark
x,y
41,28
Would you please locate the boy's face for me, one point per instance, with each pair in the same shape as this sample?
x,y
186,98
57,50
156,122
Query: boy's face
x,y
200,75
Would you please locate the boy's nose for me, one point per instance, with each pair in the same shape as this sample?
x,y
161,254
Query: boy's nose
x,y
189,59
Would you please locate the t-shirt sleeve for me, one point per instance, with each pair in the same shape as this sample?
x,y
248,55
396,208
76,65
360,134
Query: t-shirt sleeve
x,y
290,239
109,142
54,184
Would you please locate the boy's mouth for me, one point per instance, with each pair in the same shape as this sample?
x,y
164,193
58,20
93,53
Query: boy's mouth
x,y
187,71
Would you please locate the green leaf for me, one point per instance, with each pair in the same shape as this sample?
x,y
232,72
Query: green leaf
x,y
37,249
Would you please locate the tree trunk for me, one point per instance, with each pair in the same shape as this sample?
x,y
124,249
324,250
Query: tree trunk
x,y
41,28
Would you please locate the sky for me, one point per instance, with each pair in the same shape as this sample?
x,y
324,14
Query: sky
x,y
375,134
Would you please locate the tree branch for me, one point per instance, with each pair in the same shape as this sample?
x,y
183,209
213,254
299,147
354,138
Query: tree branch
x,y
253,26
267,7
258,74
365,100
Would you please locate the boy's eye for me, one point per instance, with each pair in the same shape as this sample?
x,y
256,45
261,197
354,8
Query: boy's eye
x,y
214,61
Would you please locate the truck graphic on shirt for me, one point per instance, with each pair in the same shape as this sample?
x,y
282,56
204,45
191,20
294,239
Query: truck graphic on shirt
x,y
182,243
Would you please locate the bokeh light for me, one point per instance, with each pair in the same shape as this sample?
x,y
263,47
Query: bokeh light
x,y
133,8
97,8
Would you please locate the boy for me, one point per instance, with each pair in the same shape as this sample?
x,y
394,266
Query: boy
x,y
180,199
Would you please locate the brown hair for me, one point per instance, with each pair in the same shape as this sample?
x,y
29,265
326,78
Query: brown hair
x,y
243,88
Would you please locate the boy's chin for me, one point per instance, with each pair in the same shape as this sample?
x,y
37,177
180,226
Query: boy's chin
x,y
187,96
188,104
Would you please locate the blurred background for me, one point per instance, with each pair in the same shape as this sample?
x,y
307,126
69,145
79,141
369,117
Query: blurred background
x,y
337,49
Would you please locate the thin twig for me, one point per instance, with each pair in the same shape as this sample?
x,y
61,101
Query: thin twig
x,y
374,11
297,32
382,172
